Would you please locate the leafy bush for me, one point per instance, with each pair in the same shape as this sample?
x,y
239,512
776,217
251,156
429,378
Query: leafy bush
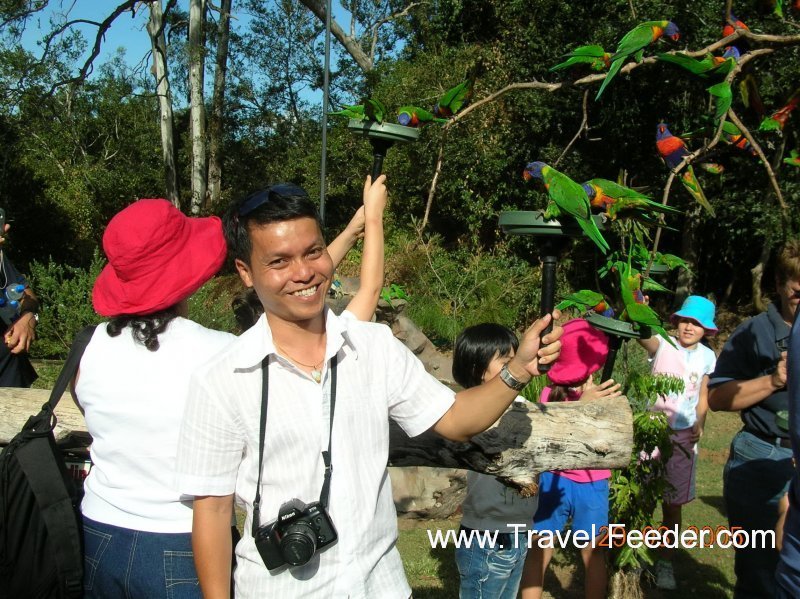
x,y
65,293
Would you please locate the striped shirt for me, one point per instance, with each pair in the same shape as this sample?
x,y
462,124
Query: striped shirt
x,y
379,378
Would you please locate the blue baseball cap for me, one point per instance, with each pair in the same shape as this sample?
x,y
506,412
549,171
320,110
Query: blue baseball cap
x,y
700,310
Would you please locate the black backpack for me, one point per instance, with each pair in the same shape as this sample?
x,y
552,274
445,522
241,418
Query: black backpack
x,y
41,542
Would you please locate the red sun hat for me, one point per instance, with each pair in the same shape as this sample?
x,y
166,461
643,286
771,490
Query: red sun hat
x,y
157,256
584,350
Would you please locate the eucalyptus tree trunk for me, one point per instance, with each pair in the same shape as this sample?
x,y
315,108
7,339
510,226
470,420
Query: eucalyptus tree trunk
x,y
197,11
155,29
215,131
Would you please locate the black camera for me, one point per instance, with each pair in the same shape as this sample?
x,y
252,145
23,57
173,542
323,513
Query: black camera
x,y
296,535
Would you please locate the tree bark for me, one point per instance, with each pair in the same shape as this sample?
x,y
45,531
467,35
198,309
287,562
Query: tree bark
x,y
350,43
215,130
528,439
155,28
197,12
689,253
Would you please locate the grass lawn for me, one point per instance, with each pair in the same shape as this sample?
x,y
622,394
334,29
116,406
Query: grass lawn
x,y
706,573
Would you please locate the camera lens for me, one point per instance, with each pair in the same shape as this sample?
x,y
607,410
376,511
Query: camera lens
x,y
298,543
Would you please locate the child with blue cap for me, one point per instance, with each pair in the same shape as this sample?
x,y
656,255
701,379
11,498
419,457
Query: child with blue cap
x,y
693,362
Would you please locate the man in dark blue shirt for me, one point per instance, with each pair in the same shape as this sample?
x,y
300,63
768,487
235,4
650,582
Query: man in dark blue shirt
x,y
788,573
750,377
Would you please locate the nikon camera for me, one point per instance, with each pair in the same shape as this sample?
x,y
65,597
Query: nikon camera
x,y
296,535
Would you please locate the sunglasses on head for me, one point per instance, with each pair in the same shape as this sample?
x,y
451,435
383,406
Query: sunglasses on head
x,y
260,198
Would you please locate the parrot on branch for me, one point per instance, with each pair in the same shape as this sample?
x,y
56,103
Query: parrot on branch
x,y
734,136
639,314
633,44
731,24
453,100
777,121
793,159
673,150
413,116
707,67
567,197
594,56
585,300
613,199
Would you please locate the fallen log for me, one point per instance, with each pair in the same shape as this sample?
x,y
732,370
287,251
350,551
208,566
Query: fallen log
x,y
528,439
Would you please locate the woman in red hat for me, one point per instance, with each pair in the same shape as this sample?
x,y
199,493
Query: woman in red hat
x,y
132,386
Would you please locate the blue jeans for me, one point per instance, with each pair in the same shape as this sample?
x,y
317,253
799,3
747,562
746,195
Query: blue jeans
x,y
120,562
756,476
492,573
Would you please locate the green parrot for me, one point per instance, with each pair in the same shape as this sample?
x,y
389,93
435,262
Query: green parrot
x,y
724,98
639,314
633,44
566,196
413,116
453,100
793,159
594,56
709,66
355,112
614,199
585,300
374,110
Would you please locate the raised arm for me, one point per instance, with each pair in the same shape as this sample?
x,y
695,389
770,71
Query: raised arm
x,y
365,301
736,395
345,241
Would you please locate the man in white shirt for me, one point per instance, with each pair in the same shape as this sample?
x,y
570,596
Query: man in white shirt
x,y
276,239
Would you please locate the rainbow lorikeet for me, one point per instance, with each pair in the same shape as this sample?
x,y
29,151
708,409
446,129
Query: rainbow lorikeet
x,y
707,67
673,150
453,100
734,136
585,300
594,56
568,197
793,159
614,199
723,98
633,44
777,120
731,24
355,111
715,168
374,110
639,314
413,116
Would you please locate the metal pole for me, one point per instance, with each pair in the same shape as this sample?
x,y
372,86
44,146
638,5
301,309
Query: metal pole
x,y
325,93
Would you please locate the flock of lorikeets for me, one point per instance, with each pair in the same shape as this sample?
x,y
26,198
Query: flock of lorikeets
x,y
567,197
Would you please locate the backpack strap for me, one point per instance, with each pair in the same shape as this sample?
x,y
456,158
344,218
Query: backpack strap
x,y
47,477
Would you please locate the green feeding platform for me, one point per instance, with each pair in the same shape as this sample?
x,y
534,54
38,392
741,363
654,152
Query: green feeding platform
x,y
382,136
532,222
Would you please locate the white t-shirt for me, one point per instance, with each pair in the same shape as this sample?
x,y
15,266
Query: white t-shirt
x,y
133,400
378,378
691,366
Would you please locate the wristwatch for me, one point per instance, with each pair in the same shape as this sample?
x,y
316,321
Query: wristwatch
x,y
510,380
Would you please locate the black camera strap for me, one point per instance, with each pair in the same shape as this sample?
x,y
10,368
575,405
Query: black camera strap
x,y
326,455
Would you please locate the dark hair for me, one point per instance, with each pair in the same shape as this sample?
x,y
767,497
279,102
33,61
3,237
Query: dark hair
x,y
476,346
145,329
274,204
247,308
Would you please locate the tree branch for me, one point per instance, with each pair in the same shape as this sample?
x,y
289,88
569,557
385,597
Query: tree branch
x,y
584,127
432,191
378,24
349,42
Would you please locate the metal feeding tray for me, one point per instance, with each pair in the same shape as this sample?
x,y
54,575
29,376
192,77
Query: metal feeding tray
x,y
532,222
384,131
618,328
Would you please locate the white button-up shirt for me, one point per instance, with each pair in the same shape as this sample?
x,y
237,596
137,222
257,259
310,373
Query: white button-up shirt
x,y
378,378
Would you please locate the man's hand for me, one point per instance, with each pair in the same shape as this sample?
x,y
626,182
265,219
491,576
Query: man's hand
x,y
697,431
21,334
778,378
375,197
534,350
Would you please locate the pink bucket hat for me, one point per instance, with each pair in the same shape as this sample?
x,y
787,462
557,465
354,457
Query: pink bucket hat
x,y
157,256
583,352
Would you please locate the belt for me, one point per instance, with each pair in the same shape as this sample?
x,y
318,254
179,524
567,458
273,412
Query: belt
x,y
505,540
777,441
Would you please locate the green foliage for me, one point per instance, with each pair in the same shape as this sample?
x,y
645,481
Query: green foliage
x,y
210,305
533,390
65,293
643,389
392,292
